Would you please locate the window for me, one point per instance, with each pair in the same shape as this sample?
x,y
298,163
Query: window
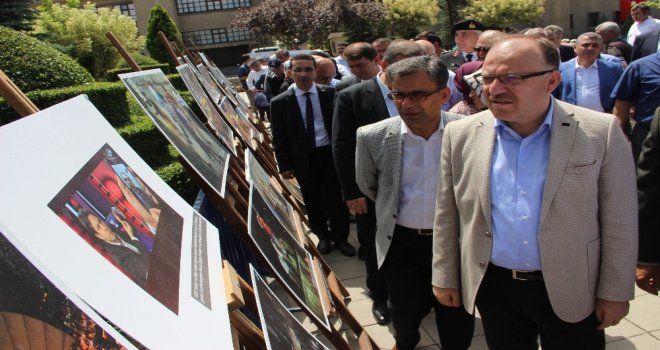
x,y
593,19
217,36
187,6
127,10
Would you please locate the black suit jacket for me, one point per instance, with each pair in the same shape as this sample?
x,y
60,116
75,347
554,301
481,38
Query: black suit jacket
x,y
356,106
566,53
289,134
646,44
648,189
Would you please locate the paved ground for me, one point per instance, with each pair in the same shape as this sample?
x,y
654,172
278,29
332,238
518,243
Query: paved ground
x,y
639,330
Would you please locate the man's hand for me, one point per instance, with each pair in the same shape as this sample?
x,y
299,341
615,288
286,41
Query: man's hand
x,y
647,278
357,205
609,313
447,296
287,175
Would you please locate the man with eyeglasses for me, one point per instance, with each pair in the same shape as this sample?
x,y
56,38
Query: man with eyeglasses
x,y
486,41
397,162
301,122
465,33
536,213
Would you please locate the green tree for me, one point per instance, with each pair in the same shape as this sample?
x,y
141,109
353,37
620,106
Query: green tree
x,y
404,17
449,14
160,21
81,32
17,14
504,13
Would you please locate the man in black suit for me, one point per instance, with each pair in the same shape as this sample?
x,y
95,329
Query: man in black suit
x,y
646,44
615,44
361,104
554,34
648,189
301,121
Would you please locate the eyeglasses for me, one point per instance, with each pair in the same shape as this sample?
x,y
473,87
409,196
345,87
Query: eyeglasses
x,y
482,49
511,79
415,96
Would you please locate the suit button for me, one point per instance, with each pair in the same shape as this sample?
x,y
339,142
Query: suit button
x,y
482,264
487,234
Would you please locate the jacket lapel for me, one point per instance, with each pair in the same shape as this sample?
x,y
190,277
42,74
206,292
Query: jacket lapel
x,y
562,136
376,99
484,141
393,142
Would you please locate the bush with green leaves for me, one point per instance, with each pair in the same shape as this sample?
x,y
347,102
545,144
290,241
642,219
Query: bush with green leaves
x,y
81,32
33,65
139,58
17,14
160,20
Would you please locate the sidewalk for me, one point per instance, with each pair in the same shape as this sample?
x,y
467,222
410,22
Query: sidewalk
x,y
639,330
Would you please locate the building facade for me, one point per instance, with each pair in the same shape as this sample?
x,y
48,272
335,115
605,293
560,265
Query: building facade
x,y
206,23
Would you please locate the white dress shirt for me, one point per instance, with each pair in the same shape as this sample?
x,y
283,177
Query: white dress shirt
x,y
322,138
587,87
420,165
255,76
637,29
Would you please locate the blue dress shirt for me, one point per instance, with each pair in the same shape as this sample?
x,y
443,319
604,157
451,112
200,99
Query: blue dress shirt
x,y
516,186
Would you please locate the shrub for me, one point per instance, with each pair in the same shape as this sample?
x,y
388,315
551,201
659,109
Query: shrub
x,y
17,14
109,99
139,58
160,20
145,138
82,30
32,65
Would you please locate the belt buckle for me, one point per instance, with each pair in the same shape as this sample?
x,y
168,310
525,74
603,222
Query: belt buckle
x,y
514,275
421,233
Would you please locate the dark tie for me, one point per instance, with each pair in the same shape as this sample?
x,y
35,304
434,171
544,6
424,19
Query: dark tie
x,y
468,57
309,111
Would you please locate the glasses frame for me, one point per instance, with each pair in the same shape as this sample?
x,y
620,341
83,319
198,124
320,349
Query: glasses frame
x,y
423,96
489,79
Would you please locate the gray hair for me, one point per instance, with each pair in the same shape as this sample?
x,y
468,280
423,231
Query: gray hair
x,y
553,30
400,49
609,27
433,66
589,35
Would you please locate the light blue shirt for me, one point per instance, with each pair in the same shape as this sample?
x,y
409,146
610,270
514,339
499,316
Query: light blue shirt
x,y
391,107
322,138
516,187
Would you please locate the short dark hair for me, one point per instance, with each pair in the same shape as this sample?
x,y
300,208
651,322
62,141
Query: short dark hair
x,y
642,6
433,66
245,57
356,51
402,48
433,38
303,57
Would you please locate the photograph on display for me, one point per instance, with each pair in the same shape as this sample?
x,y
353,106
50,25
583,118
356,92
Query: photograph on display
x,y
212,115
243,127
258,176
208,82
281,328
35,314
111,208
287,258
180,126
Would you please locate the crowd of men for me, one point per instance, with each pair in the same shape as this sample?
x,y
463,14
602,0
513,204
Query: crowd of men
x,y
527,209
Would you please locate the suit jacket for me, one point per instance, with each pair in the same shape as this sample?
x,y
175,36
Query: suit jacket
x,y
454,59
289,134
357,105
588,226
608,75
378,173
646,44
648,188
346,82
566,53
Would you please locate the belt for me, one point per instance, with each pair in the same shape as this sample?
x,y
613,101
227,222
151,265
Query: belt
x,y
520,275
417,231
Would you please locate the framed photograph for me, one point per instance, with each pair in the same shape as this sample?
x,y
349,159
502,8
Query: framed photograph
x,y
281,328
214,118
82,206
244,127
287,258
180,126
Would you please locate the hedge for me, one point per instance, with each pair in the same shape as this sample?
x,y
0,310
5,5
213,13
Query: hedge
x,y
109,99
145,138
111,75
177,178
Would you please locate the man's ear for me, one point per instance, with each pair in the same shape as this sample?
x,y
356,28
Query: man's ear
x,y
554,80
445,93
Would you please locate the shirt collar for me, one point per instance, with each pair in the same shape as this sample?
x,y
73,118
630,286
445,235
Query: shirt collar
x,y
499,124
441,128
299,92
592,66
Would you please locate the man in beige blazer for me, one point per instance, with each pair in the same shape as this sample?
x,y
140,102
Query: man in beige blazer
x,y
536,213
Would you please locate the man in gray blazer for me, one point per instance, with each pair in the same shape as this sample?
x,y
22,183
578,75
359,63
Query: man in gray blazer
x,y
397,160
536,214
